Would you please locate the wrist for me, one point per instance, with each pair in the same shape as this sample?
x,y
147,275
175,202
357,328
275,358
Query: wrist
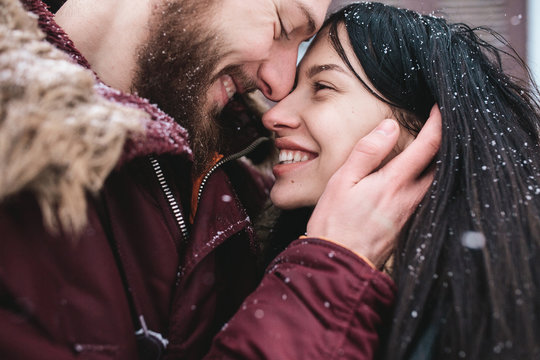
x,y
364,258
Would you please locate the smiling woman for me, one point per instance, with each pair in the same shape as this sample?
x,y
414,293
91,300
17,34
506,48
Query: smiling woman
x,y
466,265
317,125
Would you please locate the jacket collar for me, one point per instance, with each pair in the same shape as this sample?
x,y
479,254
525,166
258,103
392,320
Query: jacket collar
x,y
64,130
161,133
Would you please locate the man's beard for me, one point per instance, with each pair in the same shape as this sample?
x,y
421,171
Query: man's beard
x,y
175,70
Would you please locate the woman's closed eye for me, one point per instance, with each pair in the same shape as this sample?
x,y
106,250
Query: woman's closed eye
x,y
322,86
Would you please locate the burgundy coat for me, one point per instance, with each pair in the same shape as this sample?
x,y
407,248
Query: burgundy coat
x,y
196,285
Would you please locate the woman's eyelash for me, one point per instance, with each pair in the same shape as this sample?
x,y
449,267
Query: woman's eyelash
x,y
317,86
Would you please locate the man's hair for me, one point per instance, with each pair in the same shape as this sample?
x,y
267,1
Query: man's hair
x,y
466,265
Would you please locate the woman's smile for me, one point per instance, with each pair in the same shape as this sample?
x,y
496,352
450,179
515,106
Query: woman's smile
x,y
292,156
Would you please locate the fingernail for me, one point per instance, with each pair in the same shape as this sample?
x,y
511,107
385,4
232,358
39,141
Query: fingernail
x,y
386,127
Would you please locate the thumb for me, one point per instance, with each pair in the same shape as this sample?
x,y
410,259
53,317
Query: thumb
x,y
369,152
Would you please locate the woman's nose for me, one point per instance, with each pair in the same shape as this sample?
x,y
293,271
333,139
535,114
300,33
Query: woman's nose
x,y
281,117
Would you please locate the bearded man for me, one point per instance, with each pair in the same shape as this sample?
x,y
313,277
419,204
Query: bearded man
x,y
126,205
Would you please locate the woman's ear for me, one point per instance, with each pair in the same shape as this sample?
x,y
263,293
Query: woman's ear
x,y
406,137
409,127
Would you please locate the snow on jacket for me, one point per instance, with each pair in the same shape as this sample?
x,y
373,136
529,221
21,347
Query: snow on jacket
x,y
77,157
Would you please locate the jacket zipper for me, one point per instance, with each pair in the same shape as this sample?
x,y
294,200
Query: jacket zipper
x,y
170,198
238,155
172,201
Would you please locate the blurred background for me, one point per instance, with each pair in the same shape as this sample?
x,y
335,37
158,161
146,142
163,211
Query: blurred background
x,y
517,20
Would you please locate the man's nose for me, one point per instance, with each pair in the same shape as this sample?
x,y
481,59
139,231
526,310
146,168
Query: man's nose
x,y
276,75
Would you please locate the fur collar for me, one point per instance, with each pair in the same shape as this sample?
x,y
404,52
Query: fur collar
x,y
61,130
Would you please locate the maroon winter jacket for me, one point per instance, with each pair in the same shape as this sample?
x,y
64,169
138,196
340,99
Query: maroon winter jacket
x,y
197,285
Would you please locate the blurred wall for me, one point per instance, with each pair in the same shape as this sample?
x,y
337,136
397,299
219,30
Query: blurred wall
x,y
507,17
533,39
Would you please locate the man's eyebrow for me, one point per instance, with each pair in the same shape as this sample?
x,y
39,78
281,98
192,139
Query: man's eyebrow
x,y
312,27
316,69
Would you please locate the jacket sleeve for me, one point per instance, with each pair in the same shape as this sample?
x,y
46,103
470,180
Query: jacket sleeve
x,y
317,301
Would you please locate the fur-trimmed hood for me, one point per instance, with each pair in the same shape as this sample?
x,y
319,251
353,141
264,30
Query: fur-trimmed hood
x,y
61,130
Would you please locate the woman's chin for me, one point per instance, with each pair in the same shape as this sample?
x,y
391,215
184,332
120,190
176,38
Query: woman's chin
x,y
281,203
289,200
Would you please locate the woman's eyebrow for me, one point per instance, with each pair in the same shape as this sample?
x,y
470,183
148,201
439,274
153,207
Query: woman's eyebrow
x,y
316,69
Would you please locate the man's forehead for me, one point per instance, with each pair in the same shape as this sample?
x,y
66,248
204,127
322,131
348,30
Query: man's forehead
x,y
312,12
307,13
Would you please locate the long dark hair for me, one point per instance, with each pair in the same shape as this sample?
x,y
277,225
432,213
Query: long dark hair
x,y
467,266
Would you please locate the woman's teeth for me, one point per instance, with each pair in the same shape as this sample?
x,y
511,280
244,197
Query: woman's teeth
x,y
289,157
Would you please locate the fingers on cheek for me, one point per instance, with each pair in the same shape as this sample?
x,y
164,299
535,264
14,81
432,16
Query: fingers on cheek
x,y
368,147
340,181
